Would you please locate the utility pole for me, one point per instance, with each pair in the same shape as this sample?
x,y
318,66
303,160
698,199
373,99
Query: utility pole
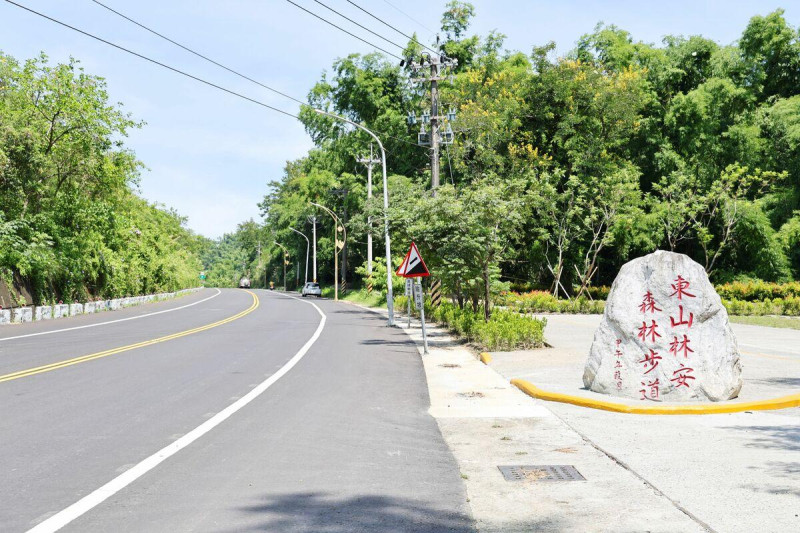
x,y
369,161
434,79
438,64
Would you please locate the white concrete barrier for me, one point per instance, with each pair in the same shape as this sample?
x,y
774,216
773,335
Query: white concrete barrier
x,y
22,314
43,312
46,312
60,310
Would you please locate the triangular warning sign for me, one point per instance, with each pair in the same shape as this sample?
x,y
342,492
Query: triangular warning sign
x,y
413,266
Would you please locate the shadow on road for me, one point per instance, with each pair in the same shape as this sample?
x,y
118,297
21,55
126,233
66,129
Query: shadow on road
x,y
316,512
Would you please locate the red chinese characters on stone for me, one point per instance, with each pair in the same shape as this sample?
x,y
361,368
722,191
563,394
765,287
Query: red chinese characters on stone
x,y
652,387
648,303
681,375
651,360
650,330
679,288
681,320
680,345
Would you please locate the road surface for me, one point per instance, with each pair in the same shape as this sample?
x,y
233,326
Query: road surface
x,y
231,411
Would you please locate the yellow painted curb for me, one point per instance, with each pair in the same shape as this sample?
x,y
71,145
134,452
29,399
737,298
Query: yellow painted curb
x,y
106,353
485,358
784,402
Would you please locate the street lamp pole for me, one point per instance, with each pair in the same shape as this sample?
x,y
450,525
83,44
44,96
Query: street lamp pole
x,y
389,293
308,245
285,260
336,225
313,219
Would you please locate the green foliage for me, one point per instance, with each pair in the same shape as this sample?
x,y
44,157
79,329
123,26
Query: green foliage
x,y
503,331
544,302
70,220
564,168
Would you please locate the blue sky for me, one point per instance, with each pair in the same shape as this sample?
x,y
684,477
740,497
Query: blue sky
x,y
210,155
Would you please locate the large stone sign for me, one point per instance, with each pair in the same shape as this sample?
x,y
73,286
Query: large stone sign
x,y
664,336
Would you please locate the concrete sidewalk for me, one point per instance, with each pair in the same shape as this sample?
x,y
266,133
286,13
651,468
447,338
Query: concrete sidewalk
x,y
734,472
486,422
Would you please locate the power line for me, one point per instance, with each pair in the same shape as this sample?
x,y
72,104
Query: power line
x,y
361,26
392,27
244,76
326,21
430,31
155,62
186,74
198,54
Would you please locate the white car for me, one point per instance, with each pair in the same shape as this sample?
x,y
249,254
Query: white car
x,y
311,289
244,283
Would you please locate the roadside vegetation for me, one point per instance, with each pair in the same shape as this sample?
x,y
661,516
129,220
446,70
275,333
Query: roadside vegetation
x,y
562,169
72,226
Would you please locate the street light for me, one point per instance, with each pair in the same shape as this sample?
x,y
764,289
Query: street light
x,y
308,245
285,260
336,226
389,292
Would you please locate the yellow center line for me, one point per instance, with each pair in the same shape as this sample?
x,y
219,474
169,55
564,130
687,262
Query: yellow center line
x,y
113,351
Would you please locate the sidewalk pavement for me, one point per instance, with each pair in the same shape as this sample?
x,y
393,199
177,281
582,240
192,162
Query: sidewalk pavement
x,y
734,472
486,422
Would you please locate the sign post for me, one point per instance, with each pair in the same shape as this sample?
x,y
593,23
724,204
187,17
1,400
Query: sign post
x,y
409,296
414,267
419,301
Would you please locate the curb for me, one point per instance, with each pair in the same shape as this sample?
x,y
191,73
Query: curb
x,y
784,402
485,358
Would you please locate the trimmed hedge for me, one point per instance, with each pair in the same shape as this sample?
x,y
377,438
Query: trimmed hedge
x,y
505,330
758,291
544,302
776,306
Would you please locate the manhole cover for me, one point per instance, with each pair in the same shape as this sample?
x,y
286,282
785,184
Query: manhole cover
x,y
541,473
450,365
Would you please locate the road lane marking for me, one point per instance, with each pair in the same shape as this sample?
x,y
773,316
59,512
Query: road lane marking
x,y
2,339
98,355
88,502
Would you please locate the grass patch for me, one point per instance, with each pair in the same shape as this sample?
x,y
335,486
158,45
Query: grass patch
x,y
768,321
356,296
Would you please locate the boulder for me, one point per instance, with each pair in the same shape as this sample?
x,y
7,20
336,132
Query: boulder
x,y
664,336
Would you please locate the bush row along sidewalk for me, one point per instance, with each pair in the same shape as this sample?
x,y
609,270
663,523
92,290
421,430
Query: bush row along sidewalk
x,y
505,330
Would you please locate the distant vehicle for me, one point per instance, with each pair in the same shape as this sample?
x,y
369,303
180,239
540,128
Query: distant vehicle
x,y
311,289
244,283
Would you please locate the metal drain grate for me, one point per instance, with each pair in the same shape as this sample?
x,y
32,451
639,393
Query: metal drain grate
x,y
541,473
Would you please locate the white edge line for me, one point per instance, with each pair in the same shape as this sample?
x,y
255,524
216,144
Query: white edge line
x,y
85,504
2,339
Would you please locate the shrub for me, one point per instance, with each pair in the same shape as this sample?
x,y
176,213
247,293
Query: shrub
x,y
505,330
544,302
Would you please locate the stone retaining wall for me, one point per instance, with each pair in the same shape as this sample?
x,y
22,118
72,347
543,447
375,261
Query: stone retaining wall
x,y
48,312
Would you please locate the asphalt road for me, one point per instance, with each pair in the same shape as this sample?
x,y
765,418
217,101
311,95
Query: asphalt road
x,y
288,417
